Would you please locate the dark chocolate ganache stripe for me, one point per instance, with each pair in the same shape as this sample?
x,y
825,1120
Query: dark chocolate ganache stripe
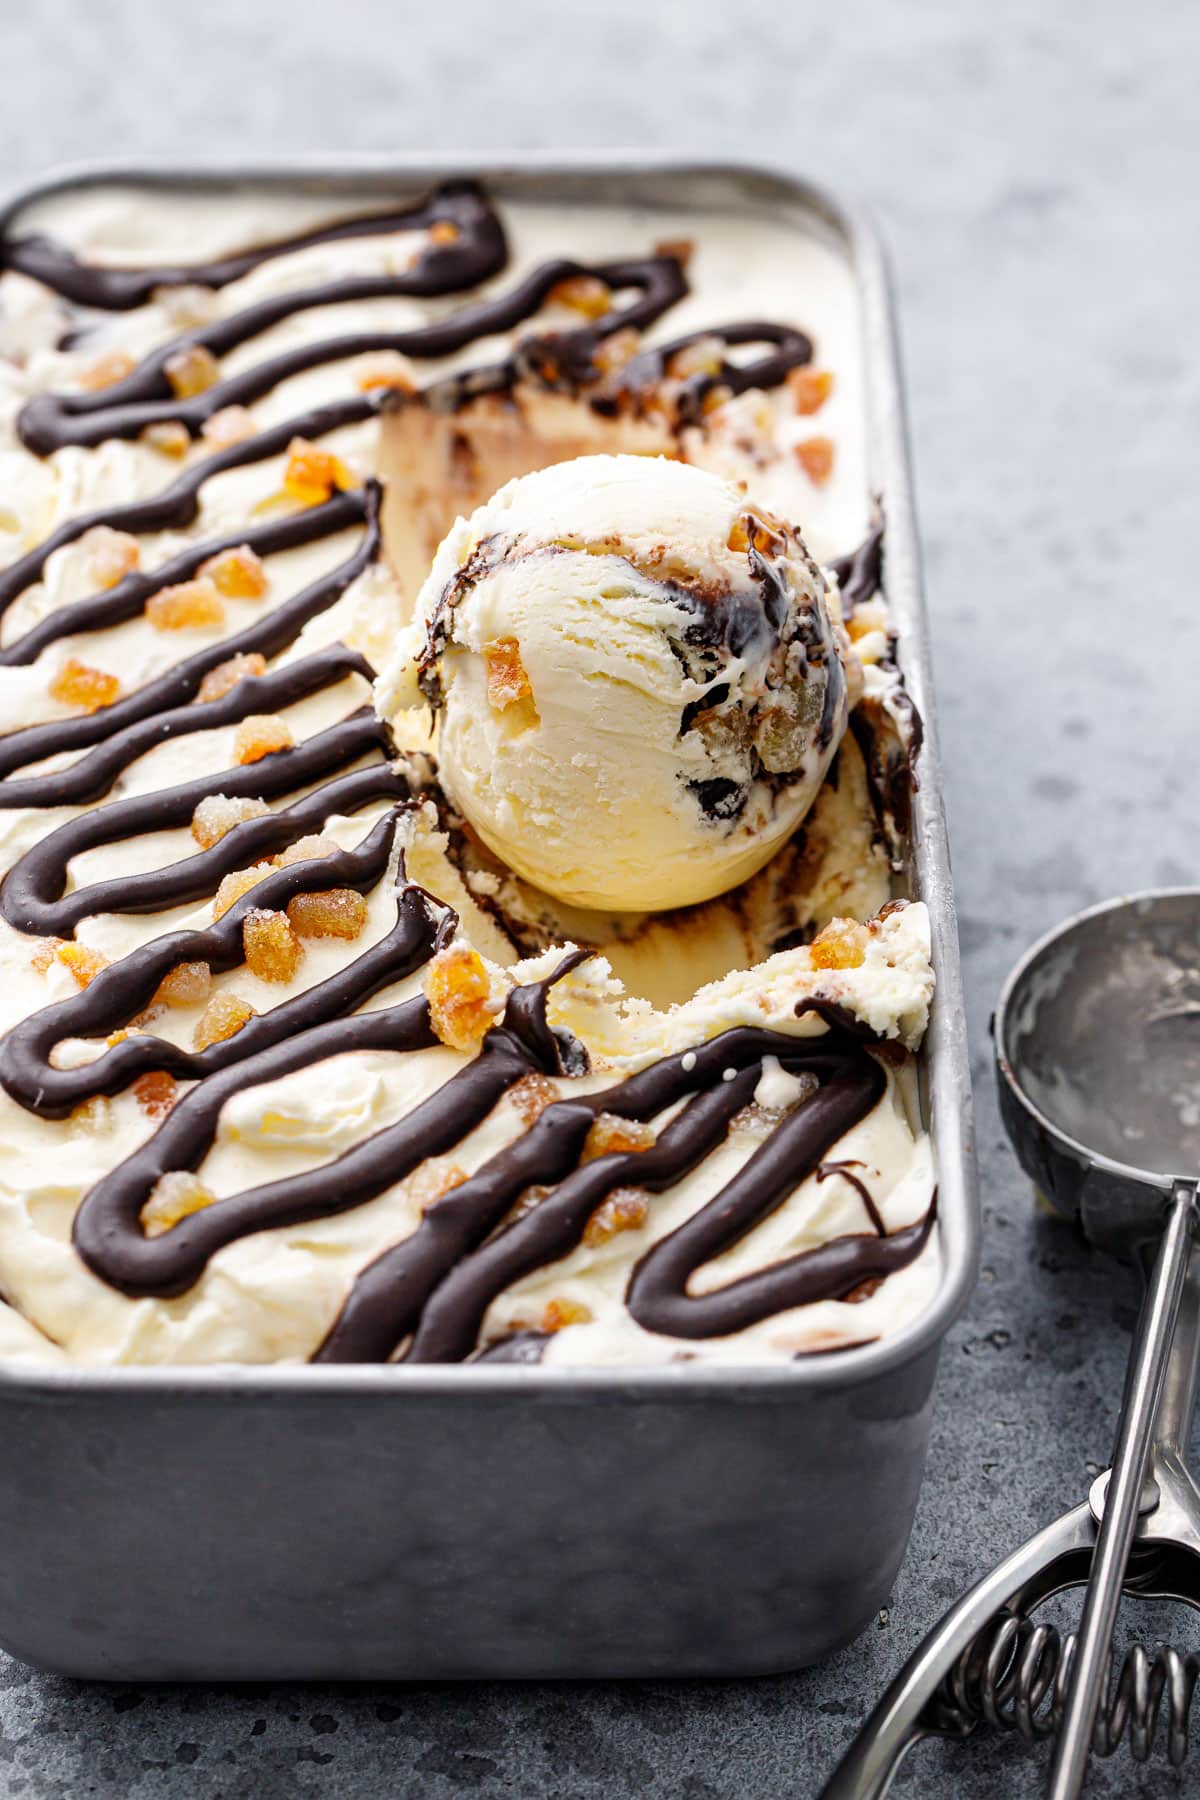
x,y
462,204
33,897
49,422
860,573
108,1232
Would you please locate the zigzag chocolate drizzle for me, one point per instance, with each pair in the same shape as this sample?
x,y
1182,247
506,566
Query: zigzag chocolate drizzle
x,y
425,1297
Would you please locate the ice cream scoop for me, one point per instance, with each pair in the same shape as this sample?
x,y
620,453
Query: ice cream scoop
x,y
639,680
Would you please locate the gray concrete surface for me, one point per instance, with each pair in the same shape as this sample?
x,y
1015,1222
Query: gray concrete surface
x,y
1035,167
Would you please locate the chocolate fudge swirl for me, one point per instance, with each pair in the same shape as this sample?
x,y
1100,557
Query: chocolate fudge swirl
x,y
461,204
426,1297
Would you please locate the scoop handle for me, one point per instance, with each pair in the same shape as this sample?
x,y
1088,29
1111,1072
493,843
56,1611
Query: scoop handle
x,y
1130,1463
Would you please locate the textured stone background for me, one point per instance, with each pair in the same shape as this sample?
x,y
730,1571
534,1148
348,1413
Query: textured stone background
x,y
1034,166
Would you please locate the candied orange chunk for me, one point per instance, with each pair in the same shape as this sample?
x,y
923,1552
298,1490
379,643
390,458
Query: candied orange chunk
x,y
229,425
560,1313
585,294
187,984
532,1095
110,554
618,348
703,356
459,994
816,456
235,884
272,948
443,231
192,371
809,388
680,250
225,677
386,369
168,436
46,953
839,946
312,474
156,1093
222,1018
109,368
188,606
259,735
507,681
626,1209
431,1181
237,573
308,849
173,1197
610,1132
77,684
767,535
217,814
337,913
84,964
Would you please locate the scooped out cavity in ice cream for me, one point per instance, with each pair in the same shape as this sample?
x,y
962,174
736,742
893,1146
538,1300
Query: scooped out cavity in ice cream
x,y
639,680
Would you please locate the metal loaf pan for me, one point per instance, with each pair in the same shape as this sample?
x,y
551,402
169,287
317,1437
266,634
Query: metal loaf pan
x,y
385,1522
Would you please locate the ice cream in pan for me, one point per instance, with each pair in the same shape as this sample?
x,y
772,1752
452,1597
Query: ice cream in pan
x,y
451,761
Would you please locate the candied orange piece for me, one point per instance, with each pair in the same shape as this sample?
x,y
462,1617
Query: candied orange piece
x,y
559,1313
815,456
337,913
225,677
272,948
386,369
618,348
680,250
308,849
235,884
110,554
767,535
532,1095
626,1209
259,734
224,1016
610,1132
459,994
810,388
168,436
192,371
703,356
312,474
156,1093
77,684
229,425
46,953
188,606
84,964
506,678
187,984
838,946
431,1181
585,294
237,573
443,231
173,1197
109,368
217,814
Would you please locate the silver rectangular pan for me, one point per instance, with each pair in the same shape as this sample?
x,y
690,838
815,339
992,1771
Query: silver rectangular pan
x,y
506,1520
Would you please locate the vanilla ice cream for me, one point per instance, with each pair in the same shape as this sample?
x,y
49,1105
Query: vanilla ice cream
x,y
639,680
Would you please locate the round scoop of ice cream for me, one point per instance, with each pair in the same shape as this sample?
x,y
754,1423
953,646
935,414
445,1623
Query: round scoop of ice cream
x,y
639,680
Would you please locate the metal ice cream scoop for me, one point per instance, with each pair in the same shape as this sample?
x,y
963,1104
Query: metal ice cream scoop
x,y
1097,1038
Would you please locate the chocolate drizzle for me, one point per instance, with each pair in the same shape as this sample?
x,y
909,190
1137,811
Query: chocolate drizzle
x,y
425,1298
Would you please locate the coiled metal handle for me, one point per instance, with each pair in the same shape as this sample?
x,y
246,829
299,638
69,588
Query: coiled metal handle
x,y
1016,1674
